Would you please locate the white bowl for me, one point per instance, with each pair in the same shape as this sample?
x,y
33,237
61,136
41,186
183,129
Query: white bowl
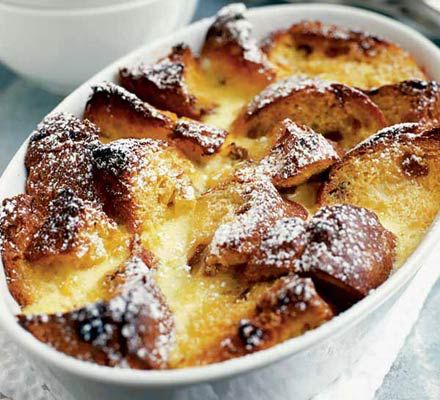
x,y
61,46
311,361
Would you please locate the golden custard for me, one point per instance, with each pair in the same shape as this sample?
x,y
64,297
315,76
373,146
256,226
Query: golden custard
x,y
214,205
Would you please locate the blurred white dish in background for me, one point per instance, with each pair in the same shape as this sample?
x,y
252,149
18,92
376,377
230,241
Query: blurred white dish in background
x,y
59,44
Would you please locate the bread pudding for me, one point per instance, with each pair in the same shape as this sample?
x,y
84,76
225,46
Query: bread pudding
x,y
221,200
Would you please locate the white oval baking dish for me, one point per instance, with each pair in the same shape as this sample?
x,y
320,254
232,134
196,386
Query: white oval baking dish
x,y
313,360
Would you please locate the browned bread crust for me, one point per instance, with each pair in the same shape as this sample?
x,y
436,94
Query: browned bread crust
x,y
409,101
20,218
259,207
121,114
278,251
59,155
288,309
337,111
133,329
73,230
399,167
197,140
140,179
298,154
232,50
170,84
348,251
316,49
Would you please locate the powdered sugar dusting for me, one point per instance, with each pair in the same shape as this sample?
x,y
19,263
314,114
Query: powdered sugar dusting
x,y
68,216
135,326
349,244
262,205
298,148
231,26
282,245
208,138
109,90
166,74
284,88
59,155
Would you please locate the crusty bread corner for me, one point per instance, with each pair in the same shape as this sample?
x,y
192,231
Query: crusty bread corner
x,y
298,154
59,155
74,232
231,51
348,56
134,328
141,181
341,113
289,308
47,250
235,215
20,218
348,252
393,174
409,101
121,114
173,83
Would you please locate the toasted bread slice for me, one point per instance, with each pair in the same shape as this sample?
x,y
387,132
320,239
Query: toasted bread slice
x,y
278,251
59,155
409,101
348,252
142,181
298,154
74,233
121,114
339,54
337,111
394,174
20,218
133,329
235,216
287,309
231,52
197,140
68,247
173,83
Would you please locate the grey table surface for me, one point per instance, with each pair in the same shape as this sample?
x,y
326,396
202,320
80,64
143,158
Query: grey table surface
x,y
415,374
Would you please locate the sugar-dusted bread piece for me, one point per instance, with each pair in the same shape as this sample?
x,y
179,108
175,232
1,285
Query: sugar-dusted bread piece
x,y
197,140
409,101
289,308
348,56
234,216
231,51
173,83
59,155
20,218
121,114
348,252
341,113
394,174
73,233
278,251
298,153
141,181
134,328
48,250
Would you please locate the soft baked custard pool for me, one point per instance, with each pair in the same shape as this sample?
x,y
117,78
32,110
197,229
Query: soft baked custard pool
x,y
212,205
